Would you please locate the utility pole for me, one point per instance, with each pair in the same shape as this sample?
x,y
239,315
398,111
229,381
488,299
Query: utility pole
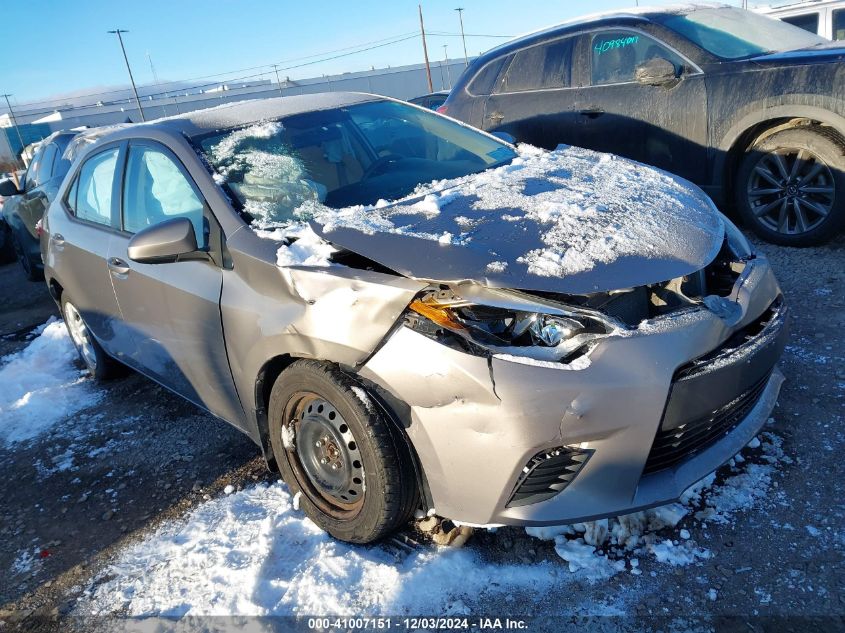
x,y
14,121
460,11
425,52
278,81
448,70
131,79
155,81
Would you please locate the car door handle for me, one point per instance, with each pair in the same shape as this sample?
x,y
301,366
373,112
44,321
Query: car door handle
x,y
58,238
118,266
592,113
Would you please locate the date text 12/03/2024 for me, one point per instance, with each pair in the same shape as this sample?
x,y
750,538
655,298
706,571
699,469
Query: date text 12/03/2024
x,y
417,623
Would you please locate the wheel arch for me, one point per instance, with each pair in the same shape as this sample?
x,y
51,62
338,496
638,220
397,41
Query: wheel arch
x,y
761,123
55,289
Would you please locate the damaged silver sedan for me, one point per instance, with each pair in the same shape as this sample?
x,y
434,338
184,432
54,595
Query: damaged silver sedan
x,y
410,316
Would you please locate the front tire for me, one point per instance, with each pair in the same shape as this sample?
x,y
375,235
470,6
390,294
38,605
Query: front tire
x,y
790,188
337,449
99,364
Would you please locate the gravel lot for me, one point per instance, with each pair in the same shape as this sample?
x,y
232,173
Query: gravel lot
x,y
74,497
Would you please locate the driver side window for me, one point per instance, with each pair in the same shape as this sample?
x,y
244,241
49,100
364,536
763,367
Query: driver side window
x,y
616,55
155,189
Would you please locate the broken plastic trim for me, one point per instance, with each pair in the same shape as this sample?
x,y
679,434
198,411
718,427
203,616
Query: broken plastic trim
x,y
629,307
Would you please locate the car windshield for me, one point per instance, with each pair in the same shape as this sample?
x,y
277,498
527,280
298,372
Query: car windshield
x,y
355,155
735,34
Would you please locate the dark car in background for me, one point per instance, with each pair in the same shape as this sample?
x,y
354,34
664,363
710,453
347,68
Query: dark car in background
x,y
24,207
432,101
749,108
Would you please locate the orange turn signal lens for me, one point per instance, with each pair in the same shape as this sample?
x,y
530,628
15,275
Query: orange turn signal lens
x,y
437,314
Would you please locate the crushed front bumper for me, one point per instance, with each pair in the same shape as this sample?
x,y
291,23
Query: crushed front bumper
x,y
656,410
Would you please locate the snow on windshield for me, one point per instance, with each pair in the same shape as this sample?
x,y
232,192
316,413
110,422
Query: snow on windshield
x,y
587,209
272,182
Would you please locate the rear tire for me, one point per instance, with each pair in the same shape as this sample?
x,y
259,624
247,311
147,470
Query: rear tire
x,y
101,365
790,188
338,450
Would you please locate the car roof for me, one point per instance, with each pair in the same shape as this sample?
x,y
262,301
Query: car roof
x,y
239,113
643,14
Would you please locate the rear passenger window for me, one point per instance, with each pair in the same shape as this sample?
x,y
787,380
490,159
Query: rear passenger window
x,y
45,166
31,178
616,55
91,194
839,24
540,67
807,21
155,190
483,82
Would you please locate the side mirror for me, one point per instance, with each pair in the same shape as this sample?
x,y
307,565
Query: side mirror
x,y
504,136
8,188
163,242
656,72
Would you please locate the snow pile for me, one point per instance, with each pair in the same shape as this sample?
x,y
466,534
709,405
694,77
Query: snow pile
x,y
305,249
585,209
41,385
651,532
252,553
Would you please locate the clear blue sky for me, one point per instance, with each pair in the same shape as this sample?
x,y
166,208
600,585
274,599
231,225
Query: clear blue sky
x,y
63,47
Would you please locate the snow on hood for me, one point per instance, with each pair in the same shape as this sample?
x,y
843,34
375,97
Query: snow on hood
x,y
571,220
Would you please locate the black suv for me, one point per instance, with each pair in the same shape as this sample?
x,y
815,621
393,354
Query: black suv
x,y
22,209
750,108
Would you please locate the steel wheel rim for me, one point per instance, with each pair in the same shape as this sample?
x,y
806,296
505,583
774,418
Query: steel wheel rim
x,y
80,336
325,456
791,191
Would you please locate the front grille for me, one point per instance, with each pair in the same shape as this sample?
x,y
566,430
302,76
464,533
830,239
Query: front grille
x,y
674,445
547,474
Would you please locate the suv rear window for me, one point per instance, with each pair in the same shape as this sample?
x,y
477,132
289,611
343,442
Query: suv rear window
x,y
544,66
483,82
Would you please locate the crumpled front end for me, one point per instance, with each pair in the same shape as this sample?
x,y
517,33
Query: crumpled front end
x,y
649,410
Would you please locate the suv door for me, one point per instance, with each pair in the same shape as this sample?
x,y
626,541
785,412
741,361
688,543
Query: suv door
x,y
173,308
533,98
662,125
36,199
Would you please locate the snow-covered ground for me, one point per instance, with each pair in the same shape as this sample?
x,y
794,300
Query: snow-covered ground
x,y
252,552
42,385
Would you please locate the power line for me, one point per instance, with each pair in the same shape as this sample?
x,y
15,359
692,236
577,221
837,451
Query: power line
x,y
409,35
230,80
271,68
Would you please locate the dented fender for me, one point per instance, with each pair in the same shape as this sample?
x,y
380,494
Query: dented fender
x,y
336,313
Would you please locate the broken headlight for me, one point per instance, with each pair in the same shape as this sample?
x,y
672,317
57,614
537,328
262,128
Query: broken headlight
x,y
484,330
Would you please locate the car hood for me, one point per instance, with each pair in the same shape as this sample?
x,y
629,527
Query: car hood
x,y
570,221
833,52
